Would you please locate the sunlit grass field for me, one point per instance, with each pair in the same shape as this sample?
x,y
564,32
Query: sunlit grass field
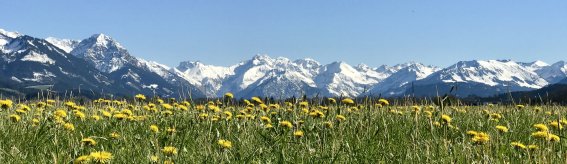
x,y
153,130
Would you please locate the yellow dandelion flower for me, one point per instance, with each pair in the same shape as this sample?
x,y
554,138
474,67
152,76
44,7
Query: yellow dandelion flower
x,y
61,113
347,101
286,124
332,100
556,125
265,119
170,130
518,145
88,141
328,124
69,126
169,151
154,128
228,95
502,129
340,118
154,158
481,138
383,102
540,134
6,104
541,127
15,118
298,133
82,159
101,156
553,137
114,135
226,144
446,119
533,147
140,97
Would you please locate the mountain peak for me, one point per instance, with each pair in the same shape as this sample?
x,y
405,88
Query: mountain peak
x,y
9,33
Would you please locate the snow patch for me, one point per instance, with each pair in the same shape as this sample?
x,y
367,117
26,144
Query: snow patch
x,y
37,57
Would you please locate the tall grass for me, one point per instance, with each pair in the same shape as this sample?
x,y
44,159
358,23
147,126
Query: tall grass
x,y
370,133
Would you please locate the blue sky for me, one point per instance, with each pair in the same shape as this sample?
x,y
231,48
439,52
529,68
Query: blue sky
x,y
371,32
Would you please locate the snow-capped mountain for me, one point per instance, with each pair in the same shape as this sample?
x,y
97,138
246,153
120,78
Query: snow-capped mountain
x,y
101,63
29,64
403,74
66,45
207,78
479,77
553,73
103,52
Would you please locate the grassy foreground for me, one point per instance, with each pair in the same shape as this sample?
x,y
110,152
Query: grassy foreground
x,y
341,131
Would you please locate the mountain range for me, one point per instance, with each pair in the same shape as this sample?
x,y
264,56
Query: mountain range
x,y
99,65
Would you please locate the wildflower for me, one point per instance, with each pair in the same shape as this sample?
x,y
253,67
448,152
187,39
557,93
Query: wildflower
x,y
6,104
167,106
257,100
533,147
541,127
228,95
328,124
446,119
15,118
154,128
518,145
317,114
61,113
101,156
169,151
340,118
556,125
95,117
226,144
120,116
540,134
265,119
298,133
553,137
88,141
170,130
428,114
154,158
472,133
383,102
203,115
502,129
520,106
69,126
347,101
79,114
480,138
286,124
332,100
114,135
35,121
169,161
303,104
82,159
140,97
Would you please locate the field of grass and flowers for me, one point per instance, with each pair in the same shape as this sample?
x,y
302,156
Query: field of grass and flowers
x,y
153,130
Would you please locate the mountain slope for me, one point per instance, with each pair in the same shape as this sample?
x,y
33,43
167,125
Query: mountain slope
x,y
30,64
405,74
478,77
